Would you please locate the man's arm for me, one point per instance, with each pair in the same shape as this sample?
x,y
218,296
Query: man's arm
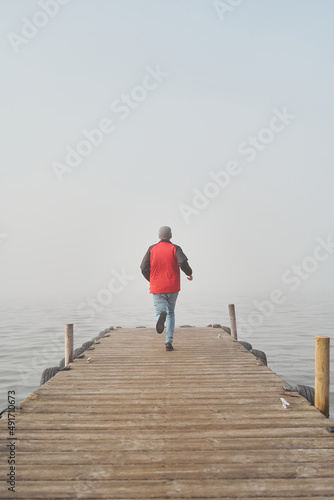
x,y
182,261
186,268
145,266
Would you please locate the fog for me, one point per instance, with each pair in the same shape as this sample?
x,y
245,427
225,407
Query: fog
x,y
119,117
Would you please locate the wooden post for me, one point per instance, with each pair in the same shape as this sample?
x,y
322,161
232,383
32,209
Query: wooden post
x,y
68,344
321,393
233,322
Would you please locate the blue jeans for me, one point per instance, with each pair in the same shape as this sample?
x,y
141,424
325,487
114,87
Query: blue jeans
x,y
166,302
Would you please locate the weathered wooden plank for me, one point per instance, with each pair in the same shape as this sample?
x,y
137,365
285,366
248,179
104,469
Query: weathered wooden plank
x,y
166,432
123,412
159,423
149,422
143,452
115,442
178,471
97,487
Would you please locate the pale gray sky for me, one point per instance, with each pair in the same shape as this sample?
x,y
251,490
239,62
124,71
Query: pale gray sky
x,y
183,91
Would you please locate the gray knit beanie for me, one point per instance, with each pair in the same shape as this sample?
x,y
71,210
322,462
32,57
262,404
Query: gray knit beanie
x,y
165,233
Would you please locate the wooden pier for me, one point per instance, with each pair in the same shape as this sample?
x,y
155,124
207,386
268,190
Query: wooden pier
x,y
203,421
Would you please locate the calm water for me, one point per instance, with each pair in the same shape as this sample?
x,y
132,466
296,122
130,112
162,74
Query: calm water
x,y
32,334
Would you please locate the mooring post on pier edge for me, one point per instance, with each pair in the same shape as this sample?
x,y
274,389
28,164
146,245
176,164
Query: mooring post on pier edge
x,y
233,322
68,344
321,390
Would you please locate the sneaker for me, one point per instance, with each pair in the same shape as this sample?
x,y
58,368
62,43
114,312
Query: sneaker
x,y
169,346
161,322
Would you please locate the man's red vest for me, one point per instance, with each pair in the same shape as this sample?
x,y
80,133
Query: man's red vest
x,y
165,271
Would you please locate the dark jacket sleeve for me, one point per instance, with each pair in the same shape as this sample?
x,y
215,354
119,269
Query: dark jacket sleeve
x,y
145,266
182,261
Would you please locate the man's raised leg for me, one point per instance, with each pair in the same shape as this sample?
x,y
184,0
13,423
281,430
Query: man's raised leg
x,y
160,304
